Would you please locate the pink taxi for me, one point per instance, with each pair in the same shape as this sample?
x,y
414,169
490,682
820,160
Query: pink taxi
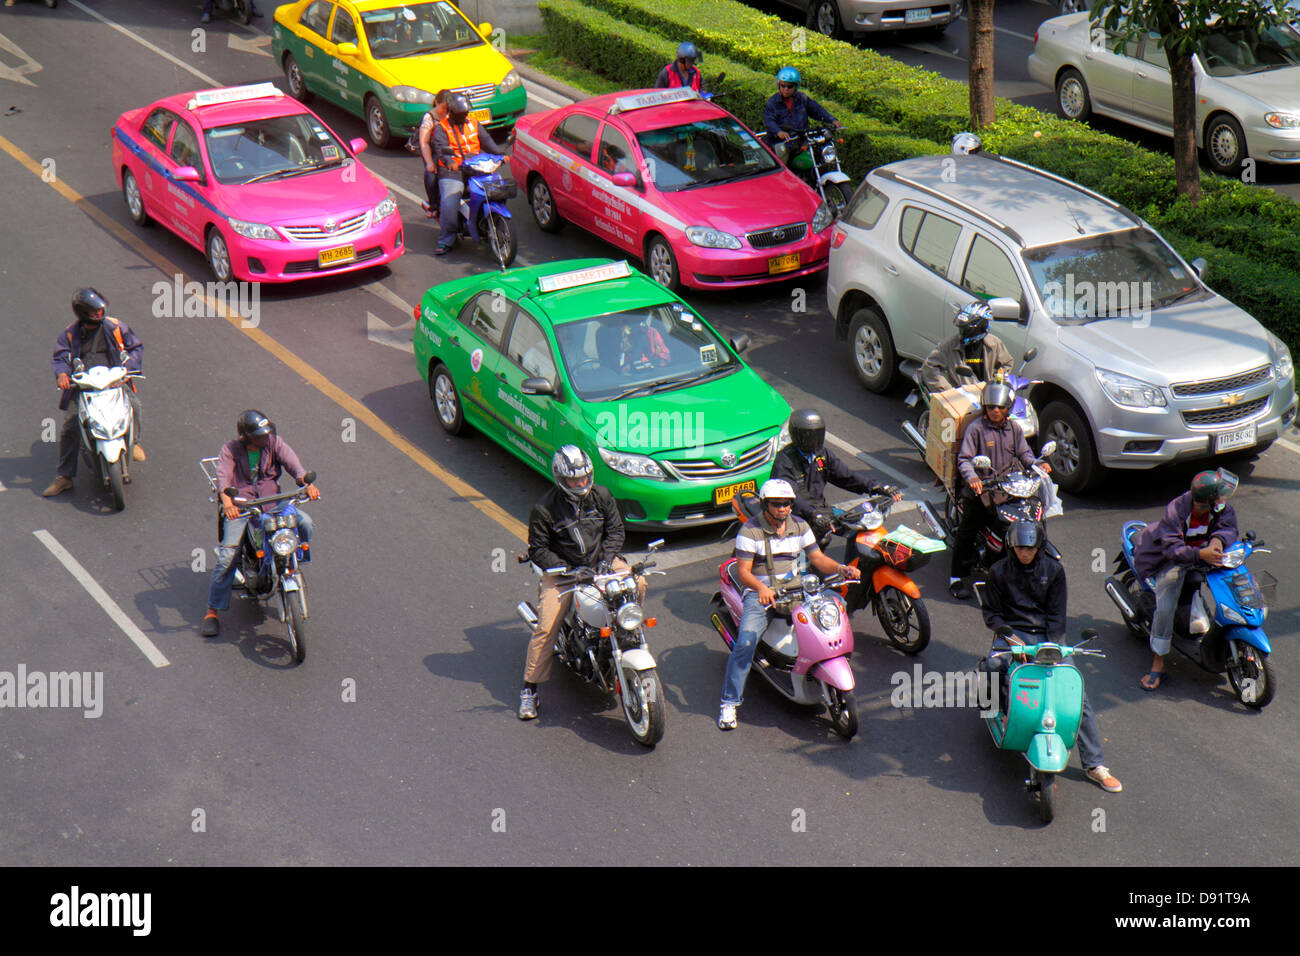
x,y
677,181
258,182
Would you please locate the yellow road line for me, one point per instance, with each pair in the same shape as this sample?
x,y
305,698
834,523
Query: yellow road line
x,y
312,376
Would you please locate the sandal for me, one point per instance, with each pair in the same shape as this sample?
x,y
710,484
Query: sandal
x,y
1160,678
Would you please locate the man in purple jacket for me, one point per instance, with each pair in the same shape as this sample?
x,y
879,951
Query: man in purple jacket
x,y
1197,525
251,464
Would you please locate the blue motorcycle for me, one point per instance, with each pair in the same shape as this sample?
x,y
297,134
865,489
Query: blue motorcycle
x,y
484,216
1233,639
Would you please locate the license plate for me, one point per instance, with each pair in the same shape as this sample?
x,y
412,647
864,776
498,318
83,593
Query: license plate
x,y
480,116
1243,437
919,15
783,263
341,254
724,494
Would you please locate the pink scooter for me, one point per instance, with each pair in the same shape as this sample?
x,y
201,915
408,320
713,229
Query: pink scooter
x,y
805,651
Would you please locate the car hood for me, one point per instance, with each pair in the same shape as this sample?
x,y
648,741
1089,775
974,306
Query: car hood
x,y
1186,342
1275,89
314,196
733,407
730,207
453,69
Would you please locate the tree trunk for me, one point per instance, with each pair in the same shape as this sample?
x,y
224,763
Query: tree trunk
x,y
1187,170
980,14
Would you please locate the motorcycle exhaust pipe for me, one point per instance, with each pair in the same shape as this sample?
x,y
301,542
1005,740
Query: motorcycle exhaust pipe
x,y
1118,595
914,436
526,614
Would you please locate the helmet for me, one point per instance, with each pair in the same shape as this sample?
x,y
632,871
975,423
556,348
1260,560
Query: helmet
x,y
253,424
689,51
86,302
572,462
776,488
963,144
973,322
1024,533
1207,487
458,107
807,430
788,74
997,395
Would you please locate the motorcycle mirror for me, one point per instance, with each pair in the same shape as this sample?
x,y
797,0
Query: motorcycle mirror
x,y
982,462
1003,631
655,545
739,343
1089,634
309,478
1029,356
230,493
1047,450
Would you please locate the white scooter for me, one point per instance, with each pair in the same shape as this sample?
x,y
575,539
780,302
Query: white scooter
x,y
107,423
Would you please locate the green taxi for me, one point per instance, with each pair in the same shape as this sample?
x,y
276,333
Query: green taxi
x,y
384,61
593,353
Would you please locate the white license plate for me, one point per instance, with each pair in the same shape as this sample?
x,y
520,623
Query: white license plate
x,y
1243,437
919,15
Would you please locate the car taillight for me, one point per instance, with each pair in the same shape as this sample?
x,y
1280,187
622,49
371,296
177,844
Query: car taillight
x,y
837,238
416,312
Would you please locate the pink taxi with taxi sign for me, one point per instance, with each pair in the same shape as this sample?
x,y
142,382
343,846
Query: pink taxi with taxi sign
x,y
258,182
676,180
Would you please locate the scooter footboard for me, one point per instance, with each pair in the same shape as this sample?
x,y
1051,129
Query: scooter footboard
x,y
835,672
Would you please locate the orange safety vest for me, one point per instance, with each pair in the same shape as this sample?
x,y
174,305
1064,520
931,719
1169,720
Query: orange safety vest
x,y
462,143
121,345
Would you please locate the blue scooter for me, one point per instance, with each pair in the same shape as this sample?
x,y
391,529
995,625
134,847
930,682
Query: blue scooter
x,y
1233,640
483,212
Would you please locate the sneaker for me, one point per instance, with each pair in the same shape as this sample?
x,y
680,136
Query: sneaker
x,y
528,704
727,717
210,627
57,487
959,590
1103,778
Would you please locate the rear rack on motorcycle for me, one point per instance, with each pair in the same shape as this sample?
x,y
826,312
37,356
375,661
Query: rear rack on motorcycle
x,y
209,466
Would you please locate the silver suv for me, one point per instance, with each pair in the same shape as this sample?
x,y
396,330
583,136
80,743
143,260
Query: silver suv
x,y
1141,363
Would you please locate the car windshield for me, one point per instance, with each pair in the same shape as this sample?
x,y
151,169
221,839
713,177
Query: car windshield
x,y
708,151
1238,50
415,29
273,148
1117,274
640,352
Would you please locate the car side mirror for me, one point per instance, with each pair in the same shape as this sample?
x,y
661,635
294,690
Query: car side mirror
x,y
187,174
1200,265
347,49
1030,355
537,386
739,343
625,179
1005,308
485,29
357,145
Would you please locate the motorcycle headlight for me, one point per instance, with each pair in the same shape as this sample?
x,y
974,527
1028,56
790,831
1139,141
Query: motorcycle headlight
x,y
634,466
828,616
284,542
410,94
1131,392
1282,367
711,238
253,230
268,523
823,218
1049,721
630,616
828,153
1233,559
511,82
385,208
1282,120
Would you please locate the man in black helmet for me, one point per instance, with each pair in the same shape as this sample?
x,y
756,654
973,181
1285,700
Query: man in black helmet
x,y
808,465
456,137
96,339
682,71
251,464
971,355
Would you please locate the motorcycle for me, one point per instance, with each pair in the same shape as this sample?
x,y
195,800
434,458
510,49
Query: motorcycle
x,y
602,640
107,423
804,653
1023,412
1233,639
811,155
240,10
270,554
483,215
1041,713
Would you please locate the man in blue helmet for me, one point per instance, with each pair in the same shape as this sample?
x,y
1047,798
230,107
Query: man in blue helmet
x,y
971,355
787,112
682,71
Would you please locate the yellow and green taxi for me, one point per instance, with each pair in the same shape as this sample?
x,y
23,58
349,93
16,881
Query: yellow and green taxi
x,y
593,353
384,61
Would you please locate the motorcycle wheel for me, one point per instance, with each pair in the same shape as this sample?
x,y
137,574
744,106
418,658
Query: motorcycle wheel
x,y
1130,582
906,622
1046,795
1257,676
113,472
838,196
501,236
295,621
642,697
843,710
923,420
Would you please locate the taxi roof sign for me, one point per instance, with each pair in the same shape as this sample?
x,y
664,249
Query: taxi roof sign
x,y
660,98
233,94
571,280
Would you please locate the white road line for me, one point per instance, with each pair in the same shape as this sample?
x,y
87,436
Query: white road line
x,y
534,91
876,463
119,617
1289,445
145,43
1018,36
931,48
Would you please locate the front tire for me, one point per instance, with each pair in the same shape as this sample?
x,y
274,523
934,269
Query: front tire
x,y
501,236
1072,98
542,202
1225,145
872,349
295,622
1046,795
116,488
662,264
1256,679
842,709
824,17
377,123
446,400
1074,463
219,256
905,621
294,78
134,199
642,699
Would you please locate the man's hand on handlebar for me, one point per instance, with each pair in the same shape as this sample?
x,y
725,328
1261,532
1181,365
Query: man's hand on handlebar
x,y
228,508
977,486
312,492
765,595
64,381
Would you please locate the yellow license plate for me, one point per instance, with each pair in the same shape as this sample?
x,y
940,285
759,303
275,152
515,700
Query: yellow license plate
x,y
480,116
724,494
341,254
783,263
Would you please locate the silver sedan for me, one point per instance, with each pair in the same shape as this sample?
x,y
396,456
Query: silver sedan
x,y
1247,86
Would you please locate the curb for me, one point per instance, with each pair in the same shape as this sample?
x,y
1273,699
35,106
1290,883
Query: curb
x,y
549,82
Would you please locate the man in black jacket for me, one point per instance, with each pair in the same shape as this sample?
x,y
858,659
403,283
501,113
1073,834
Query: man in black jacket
x,y
575,525
1026,592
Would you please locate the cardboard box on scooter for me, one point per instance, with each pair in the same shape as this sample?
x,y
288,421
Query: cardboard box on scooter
x,y
950,412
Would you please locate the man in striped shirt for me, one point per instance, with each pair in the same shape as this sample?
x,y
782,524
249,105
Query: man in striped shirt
x,y
767,552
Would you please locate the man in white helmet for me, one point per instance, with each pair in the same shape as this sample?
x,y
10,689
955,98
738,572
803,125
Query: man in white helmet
x,y
575,525
767,551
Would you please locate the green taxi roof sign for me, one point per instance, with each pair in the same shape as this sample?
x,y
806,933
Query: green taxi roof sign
x,y
571,280
680,95
233,94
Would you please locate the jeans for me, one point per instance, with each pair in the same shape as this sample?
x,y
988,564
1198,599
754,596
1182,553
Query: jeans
x,y
754,619
1168,585
449,211
431,190
70,436
223,574
974,516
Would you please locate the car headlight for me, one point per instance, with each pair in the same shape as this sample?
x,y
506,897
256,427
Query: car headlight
x,y
284,542
634,466
1282,120
630,616
823,218
1132,392
410,94
1283,367
711,238
783,437
253,230
385,208
511,82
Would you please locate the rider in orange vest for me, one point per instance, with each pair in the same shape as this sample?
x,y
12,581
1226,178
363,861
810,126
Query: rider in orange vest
x,y
454,139
682,71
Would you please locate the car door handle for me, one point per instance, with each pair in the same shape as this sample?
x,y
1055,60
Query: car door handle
x,y
455,340
892,270
1141,75
501,376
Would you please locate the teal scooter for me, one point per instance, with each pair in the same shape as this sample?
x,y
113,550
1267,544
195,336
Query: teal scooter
x,y
1042,712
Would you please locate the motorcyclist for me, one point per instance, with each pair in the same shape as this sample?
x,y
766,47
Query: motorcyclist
x,y
207,10
682,71
424,144
251,464
971,355
994,435
454,139
1197,526
808,465
96,339
575,525
787,111
1026,592
767,551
